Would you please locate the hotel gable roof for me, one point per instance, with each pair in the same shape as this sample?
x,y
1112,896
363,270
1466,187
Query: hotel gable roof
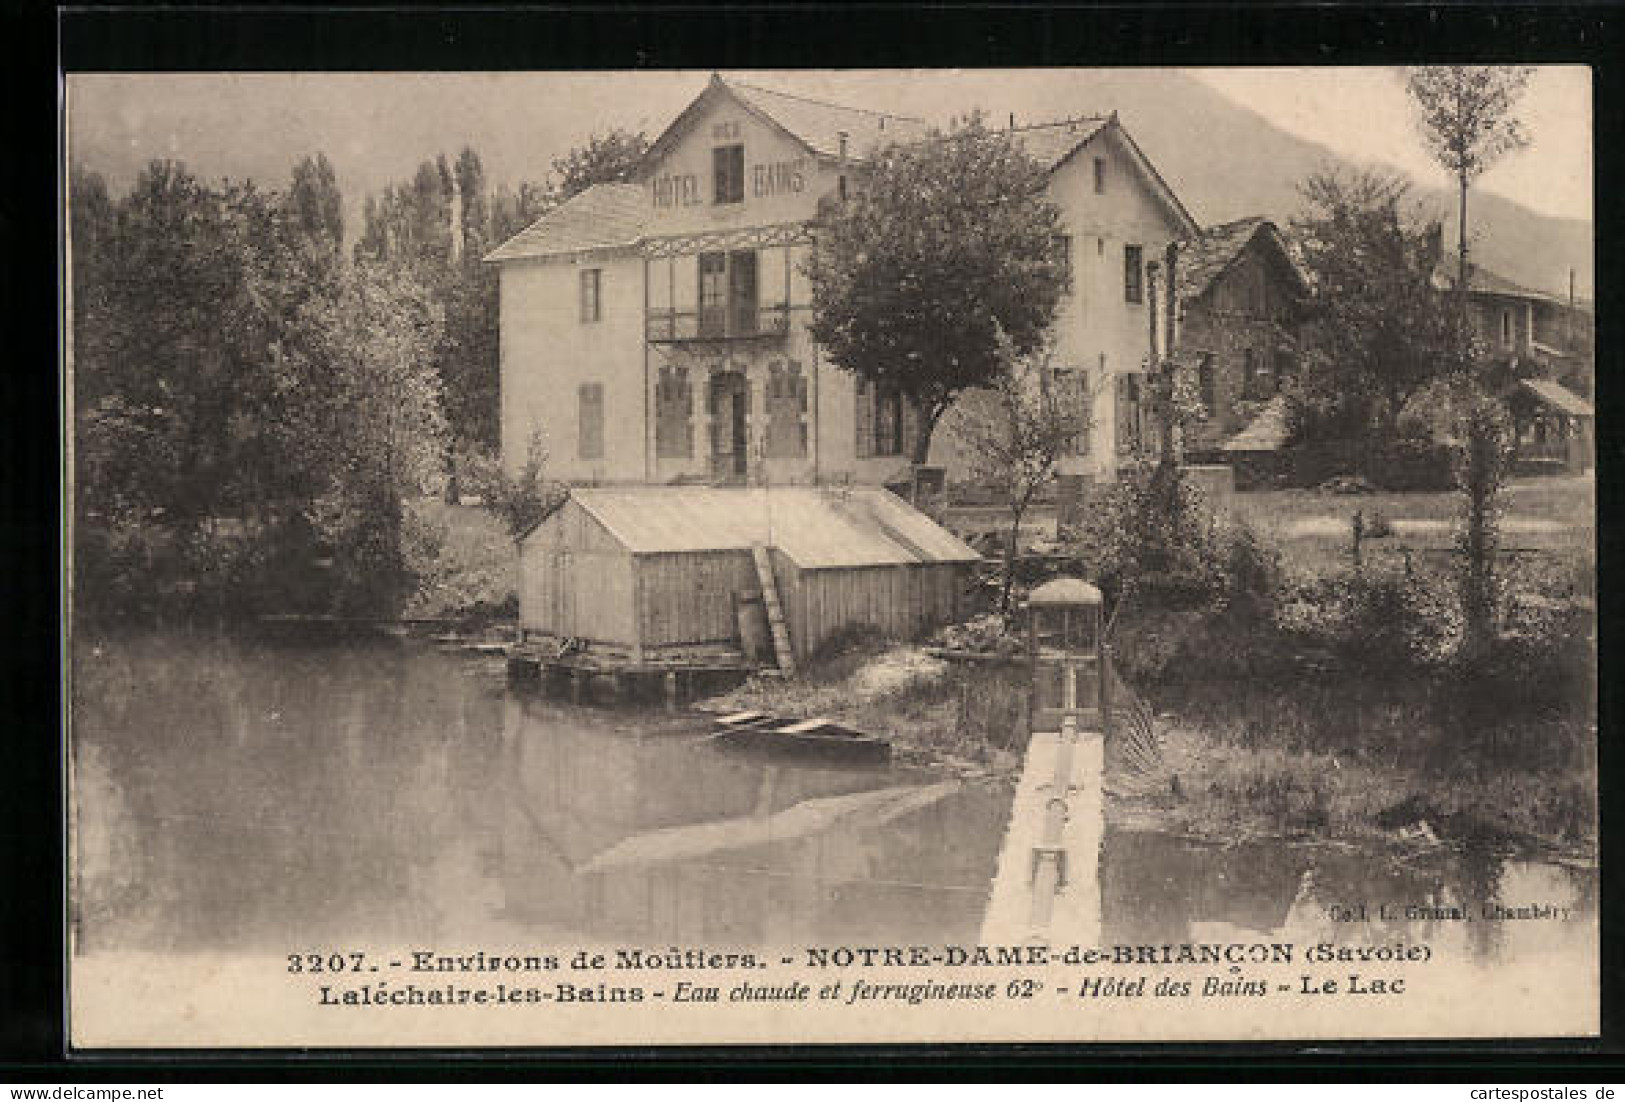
x,y
613,216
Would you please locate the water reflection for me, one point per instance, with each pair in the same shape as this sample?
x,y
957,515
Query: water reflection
x,y
271,796
1158,888
260,795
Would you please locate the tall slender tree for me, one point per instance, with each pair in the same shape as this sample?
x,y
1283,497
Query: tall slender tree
x,y
1467,120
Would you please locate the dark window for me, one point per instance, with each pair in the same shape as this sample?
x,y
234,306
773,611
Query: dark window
x,y
742,292
1100,175
888,421
1128,414
728,169
590,438
1070,392
1206,385
713,294
591,303
1506,328
728,294
1258,375
1285,368
881,419
1133,274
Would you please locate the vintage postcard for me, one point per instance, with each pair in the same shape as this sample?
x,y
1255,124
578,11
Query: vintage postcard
x,y
679,557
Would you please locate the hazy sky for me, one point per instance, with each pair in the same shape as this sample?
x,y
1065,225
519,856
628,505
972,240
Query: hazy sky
x,y
377,127
1352,111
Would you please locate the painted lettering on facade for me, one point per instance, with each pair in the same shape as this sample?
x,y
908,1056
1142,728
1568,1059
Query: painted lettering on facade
x,y
675,191
781,178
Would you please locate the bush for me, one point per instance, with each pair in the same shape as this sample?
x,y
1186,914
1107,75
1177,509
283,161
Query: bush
x,y
1373,623
527,500
479,473
1163,546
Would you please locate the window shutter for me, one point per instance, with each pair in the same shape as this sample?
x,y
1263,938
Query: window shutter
x,y
590,440
1127,420
865,418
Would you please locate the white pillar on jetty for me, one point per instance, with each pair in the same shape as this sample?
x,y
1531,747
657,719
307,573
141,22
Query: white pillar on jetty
x,y
1047,886
1048,889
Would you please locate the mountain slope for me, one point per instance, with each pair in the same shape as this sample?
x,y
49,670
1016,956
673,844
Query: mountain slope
x,y
1223,159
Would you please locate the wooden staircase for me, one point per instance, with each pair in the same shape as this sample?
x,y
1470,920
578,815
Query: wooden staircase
x,y
775,612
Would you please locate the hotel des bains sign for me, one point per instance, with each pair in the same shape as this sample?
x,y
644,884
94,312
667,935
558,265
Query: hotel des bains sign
x,y
734,176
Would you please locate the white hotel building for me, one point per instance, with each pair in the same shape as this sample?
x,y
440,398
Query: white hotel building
x,y
656,332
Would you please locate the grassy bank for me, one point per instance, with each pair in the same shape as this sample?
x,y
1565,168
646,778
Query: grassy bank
x,y
969,716
1347,763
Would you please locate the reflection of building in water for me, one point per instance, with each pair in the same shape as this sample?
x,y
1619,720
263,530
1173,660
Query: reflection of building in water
x,y
666,839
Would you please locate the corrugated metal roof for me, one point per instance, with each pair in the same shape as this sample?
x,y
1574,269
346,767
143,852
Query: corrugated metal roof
x,y
605,216
1559,397
819,125
816,528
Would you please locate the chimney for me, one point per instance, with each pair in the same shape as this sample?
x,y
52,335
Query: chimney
x,y
841,134
1012,120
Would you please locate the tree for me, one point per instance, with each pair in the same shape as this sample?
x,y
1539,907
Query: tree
x,y
1016,434
948,244
608,158
1467,122
1482,465
357,367
1378,329
315,203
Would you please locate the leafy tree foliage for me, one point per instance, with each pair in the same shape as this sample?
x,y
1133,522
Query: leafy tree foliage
x,y
1378,330
1466,115
315,203
609,157
948,244
357,370
201,456
1482,466
1016,436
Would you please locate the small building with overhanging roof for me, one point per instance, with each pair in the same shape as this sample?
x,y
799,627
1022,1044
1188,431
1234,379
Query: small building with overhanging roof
x,y
657,573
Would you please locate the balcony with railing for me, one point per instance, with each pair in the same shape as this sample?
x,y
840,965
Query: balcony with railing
x,y
671,326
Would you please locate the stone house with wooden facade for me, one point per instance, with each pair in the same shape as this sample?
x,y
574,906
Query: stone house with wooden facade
x,y
1239,295
655,331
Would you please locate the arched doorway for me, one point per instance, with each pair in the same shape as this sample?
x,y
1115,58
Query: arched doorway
x,y
728,402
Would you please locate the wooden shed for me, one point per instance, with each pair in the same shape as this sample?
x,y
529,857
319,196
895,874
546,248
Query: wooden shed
x,y
656,572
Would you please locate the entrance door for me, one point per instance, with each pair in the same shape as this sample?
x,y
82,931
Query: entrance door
x,y
729,406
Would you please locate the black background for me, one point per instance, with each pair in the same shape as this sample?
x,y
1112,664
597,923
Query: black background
x,y
45,42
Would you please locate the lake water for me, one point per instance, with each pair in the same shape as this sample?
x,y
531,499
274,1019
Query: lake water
x,y
247,795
